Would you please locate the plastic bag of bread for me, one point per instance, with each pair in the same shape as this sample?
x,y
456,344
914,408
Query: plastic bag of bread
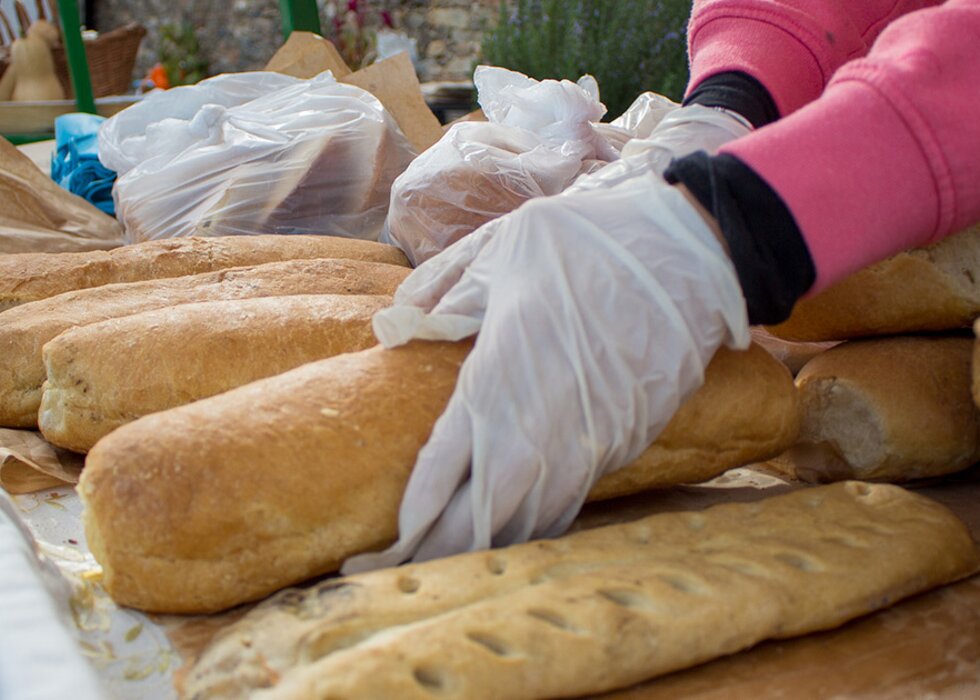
x,y
538,138
302,157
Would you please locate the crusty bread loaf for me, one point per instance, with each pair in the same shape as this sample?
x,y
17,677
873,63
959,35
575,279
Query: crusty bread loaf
x,y
747,408
25,329
29,277
593,611
928,289
282,479
188,352
893,409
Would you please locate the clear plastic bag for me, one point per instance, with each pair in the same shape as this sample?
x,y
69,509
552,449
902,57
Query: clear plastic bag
x,y
539,137
637,122
255,153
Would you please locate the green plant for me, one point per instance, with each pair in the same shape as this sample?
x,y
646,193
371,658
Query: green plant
x,y
180,55
630,46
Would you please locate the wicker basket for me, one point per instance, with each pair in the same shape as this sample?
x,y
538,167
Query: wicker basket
x,y
111,58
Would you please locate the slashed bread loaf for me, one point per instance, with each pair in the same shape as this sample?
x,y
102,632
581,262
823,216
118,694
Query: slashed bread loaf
x,y
188,352
32,276
25,329
927,289
228,499
593,611
892,409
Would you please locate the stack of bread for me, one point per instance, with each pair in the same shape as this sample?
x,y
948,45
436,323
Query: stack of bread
x,y
894,402
236,365
589,612
245,433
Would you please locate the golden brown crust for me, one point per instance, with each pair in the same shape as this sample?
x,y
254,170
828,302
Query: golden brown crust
x,y
593,611
188,352
29,277
893,409
231,498
927,289
25,329
747,411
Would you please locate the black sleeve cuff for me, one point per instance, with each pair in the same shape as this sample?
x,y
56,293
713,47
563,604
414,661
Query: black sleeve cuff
x,y
770,256
739,92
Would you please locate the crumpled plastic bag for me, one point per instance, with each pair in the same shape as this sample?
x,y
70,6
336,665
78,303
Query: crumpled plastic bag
x,y
538,138
638,121
255,153
75,164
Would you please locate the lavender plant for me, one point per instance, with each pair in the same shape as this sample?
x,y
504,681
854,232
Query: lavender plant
x,y
630,46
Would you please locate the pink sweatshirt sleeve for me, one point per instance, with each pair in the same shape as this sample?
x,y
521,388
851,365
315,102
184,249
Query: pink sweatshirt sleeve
x,y
889,157
792,47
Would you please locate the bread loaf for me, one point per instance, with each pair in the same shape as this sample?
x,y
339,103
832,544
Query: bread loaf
x,y
318,187
34,276
928,289
893,409
25,329
594,611
188,352
228,499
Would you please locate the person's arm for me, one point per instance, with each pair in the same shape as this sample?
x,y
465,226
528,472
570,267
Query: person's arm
x,y
788,49
887,159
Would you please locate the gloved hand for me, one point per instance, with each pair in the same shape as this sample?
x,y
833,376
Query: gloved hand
x,y
681,132
597,313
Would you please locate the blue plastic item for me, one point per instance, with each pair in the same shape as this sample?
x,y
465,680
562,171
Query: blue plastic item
x,y
75,163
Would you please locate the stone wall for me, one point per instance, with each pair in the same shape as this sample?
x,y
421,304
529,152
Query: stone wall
x,y
238,35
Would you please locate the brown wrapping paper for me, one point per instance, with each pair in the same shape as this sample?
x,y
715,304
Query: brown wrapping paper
x,y
28,463
393,81
36,215
305,55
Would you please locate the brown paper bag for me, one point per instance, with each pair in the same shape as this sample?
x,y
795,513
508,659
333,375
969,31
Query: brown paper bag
x,y
38,216
29,463
393,81
306,55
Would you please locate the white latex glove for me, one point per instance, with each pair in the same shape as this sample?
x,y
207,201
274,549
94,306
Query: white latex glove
x,y
681,132
597,313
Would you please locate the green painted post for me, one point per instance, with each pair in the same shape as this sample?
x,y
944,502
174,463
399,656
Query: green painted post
x,y
71,32
298,15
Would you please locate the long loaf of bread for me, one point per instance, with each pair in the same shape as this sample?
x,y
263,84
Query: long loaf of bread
x,y
188,352
927,289
596,610
32,276
893,409
228,499
25,329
